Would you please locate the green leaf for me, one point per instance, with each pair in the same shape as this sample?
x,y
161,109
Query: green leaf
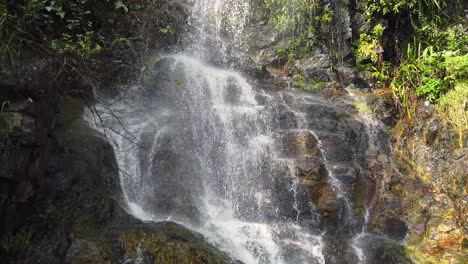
x,y
118,4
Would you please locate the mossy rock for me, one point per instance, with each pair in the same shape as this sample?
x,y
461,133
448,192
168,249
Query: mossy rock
x,y
161,243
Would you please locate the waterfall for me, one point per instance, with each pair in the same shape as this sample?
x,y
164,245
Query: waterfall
x,y
222,154
211,163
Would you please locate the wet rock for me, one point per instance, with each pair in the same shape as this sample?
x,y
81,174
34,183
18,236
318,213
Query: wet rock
x,y
338,149
380,250
346,174
70,109
49,246
162,243
427,168
317,68
175,192
13,165
263,40
328,201
347,75
83,172
298,144
287,120
384,108
395,228
84,251
311,170
431,133
338,250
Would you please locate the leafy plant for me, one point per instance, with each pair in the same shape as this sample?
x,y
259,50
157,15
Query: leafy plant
x,y
166,30
427,73
368,46
120,5
83,45
381,76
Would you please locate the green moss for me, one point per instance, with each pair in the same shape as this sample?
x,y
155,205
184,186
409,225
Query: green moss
x,y
179,81
301,82
130,242
154,243
362,107
304,20
317,85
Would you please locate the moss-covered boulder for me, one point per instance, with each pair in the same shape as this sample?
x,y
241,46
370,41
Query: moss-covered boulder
x,y
159,243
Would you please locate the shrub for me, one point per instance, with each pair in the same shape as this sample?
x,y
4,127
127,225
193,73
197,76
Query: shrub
x,y
68,26
367,46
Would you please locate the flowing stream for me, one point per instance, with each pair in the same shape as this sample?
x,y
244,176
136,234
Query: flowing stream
x,y
222,154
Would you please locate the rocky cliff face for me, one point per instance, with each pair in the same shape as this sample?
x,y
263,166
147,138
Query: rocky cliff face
x,y
425,195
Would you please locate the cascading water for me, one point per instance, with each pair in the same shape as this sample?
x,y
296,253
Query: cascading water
x,y
212,163
224,157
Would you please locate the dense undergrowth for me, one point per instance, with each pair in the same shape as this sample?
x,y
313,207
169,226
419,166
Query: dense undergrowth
x,y
73,27
418,48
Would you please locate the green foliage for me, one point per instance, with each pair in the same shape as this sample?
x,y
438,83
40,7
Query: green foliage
x,y
67,26
301,82
295,48
434,42
83,45
381,76
428,74
367,46
375,8
288,14
454,107
456,66
120,5
166,30
11,128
